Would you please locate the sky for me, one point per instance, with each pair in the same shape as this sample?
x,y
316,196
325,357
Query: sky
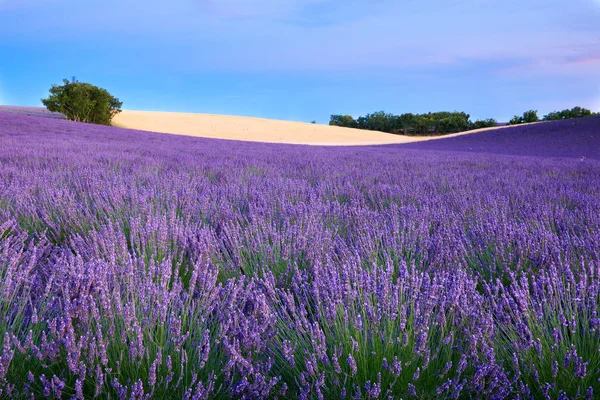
x,y
304,60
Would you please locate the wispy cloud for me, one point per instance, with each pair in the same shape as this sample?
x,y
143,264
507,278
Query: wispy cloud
x,y
591,59
316,35
581,65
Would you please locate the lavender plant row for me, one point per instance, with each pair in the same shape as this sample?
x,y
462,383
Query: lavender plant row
x,y
137,265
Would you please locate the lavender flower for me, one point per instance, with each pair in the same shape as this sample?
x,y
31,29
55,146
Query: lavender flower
x,y
140,265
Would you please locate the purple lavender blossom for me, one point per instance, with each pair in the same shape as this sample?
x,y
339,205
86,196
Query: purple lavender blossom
x,y
141,265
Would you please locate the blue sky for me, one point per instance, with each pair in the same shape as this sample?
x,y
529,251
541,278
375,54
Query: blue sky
x,y
306,59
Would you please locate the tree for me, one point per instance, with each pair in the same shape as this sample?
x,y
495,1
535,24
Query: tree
x,y
553,116
83,102
579,112
343,120
406,123
435,123
530,116
378,121
485,123
575,112
515,120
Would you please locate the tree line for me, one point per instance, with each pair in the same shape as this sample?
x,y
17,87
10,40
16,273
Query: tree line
x,y
443,122
432,123
532,116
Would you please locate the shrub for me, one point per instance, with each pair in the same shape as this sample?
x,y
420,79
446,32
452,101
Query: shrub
x,y
83,102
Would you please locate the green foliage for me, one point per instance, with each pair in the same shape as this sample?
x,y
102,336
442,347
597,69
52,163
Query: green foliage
x,y
515,120
432,123
554,116
409,124
539,362
528,117
343,120
484,123
378,121
575,112
531,115
83,102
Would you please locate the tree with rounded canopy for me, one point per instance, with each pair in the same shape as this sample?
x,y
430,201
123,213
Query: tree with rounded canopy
x,y
343,120
530,116
83,102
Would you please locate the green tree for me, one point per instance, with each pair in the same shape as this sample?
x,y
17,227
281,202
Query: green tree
x,y
515,120
83,102
343,120
553,116
435,123
378,121
575,112
483,123
407,123
579,112
530,116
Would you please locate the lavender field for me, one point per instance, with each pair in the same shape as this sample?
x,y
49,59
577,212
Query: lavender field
x,y
137,265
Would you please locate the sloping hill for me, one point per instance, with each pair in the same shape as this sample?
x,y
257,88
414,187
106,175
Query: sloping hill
x,y
263,130
31,111
244,128
570,138
252,129
579,138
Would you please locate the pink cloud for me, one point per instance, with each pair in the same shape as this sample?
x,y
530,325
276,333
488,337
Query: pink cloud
x,y
592,59
586,65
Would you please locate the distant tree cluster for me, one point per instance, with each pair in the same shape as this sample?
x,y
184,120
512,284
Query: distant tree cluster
x,y
435,123
531,115
575,112
527,117
483,123
345,121
83,102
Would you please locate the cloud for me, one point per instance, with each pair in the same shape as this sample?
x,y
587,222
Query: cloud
x,y
580,65
385,34
317,35
591,59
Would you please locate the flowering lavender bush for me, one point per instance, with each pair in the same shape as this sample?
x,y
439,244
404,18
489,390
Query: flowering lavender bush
x,y
139,265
